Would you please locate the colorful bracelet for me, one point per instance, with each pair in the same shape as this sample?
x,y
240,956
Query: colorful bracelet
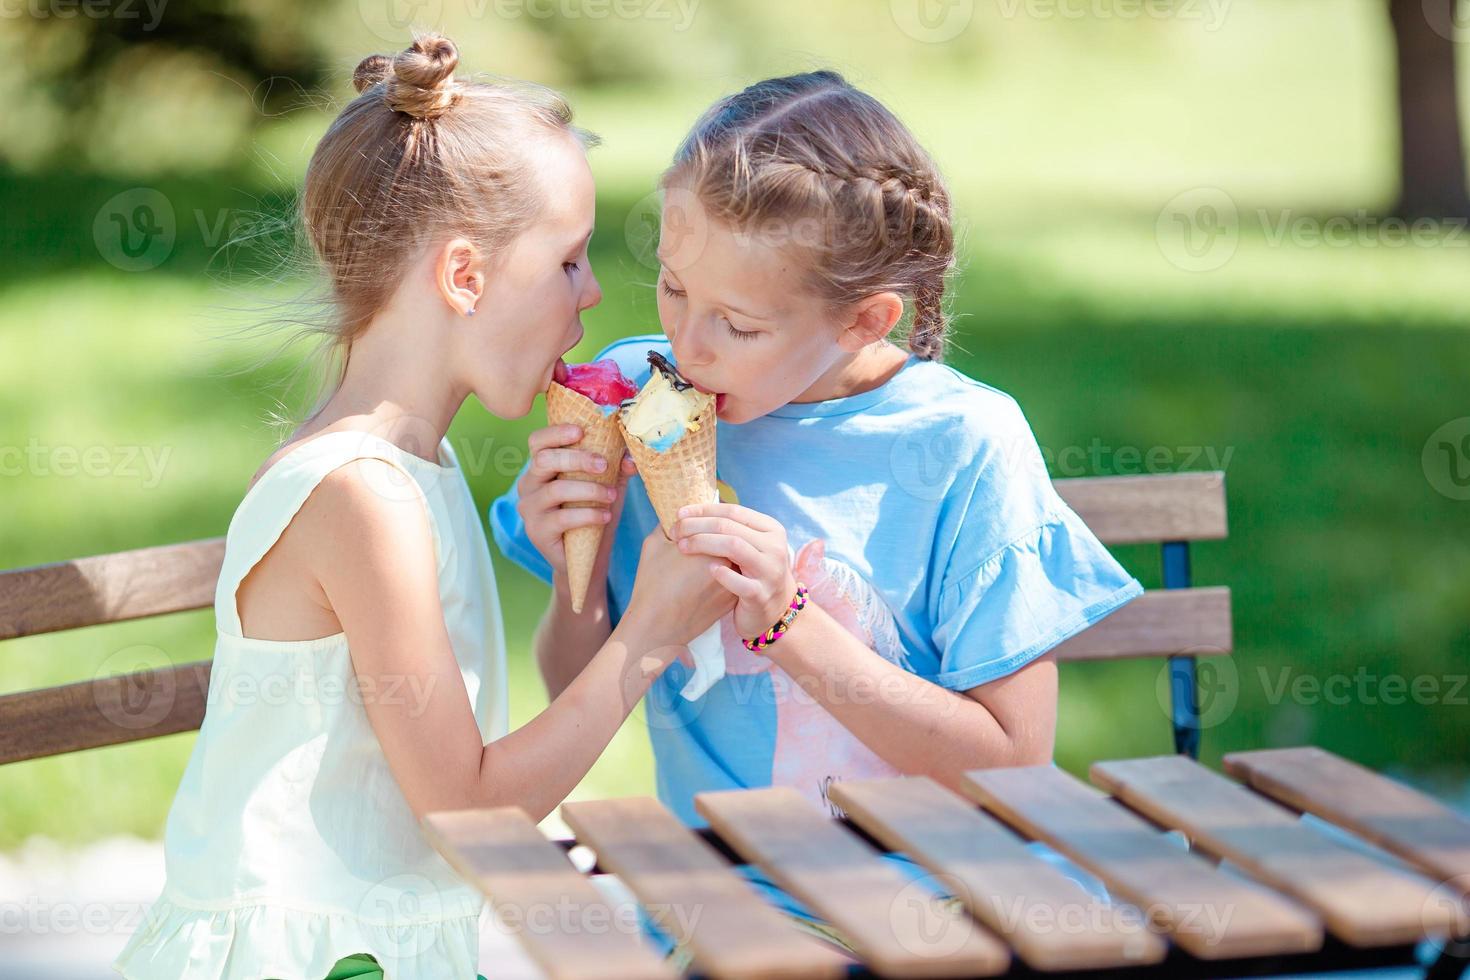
x,y
776,632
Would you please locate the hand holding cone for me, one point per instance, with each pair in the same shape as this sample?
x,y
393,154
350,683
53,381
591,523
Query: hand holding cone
x,y
570,404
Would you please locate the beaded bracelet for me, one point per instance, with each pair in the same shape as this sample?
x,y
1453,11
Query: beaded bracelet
x,y
776,632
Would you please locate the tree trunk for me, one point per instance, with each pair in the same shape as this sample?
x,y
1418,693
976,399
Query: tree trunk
x,y
1432,158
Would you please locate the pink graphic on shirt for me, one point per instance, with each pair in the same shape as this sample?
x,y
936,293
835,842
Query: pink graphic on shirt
x,y
812,747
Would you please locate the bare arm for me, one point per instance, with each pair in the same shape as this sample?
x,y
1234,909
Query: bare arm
x,y
913,724
565,641
377,569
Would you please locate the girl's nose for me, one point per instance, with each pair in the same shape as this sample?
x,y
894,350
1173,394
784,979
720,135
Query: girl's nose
x,y
689,347
591,292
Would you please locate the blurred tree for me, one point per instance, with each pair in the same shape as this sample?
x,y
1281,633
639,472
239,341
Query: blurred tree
x,y
262,47
1432,157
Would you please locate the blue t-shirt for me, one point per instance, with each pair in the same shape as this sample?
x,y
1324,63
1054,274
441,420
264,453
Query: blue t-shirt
x,y
921,518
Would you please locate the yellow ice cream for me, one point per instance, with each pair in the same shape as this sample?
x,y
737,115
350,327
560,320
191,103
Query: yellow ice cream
x,y
662,412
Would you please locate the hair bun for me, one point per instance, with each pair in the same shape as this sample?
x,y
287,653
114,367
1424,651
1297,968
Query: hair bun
x,y
370,71
422,81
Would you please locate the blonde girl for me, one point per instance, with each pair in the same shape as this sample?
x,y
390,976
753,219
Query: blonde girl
x,y
359,672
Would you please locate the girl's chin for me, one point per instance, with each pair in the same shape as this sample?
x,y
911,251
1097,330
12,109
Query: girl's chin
x,y
733,412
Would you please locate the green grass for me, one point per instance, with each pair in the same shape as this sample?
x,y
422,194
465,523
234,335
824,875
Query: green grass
x,y
1341,554
1314,373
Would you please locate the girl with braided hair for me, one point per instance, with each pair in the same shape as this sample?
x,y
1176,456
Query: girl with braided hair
x,y
902,565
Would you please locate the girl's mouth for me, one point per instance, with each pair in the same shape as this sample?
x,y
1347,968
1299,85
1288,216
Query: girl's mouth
x,y
719,395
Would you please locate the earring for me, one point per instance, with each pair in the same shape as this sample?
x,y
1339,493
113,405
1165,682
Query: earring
x,y
470,311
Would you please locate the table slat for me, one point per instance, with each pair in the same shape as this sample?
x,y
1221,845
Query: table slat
x,y
1364,901
1052,922
892,923
694,895
559,916
1208,912
1402,821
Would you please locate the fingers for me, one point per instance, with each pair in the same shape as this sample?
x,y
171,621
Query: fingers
x,y
712,525
550,463
554,437
734,512
741,587
738,550
562,521
559,492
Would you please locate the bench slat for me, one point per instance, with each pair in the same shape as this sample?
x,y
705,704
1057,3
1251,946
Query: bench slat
x,y
892,923
103,711
1159,623
109,588
1152,507
1364,901
1209,913
1402,821
694,895
1051,921
559,916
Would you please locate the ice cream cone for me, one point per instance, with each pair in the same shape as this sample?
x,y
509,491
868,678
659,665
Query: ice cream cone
x,y
602,436
684,473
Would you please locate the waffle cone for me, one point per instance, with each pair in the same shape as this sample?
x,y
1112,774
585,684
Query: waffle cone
x,y
602,436
682,475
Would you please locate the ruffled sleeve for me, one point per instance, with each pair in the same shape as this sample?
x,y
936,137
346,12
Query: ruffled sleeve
x,y
1042,587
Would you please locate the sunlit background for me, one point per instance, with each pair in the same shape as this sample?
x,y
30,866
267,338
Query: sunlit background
x,y
1202,234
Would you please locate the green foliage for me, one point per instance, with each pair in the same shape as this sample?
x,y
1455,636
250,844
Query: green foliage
x,y
1314,372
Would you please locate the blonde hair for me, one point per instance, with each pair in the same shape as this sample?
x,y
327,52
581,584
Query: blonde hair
x,y
812,146
416,157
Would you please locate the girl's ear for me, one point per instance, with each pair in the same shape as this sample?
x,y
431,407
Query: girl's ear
x,y
460,275
870,320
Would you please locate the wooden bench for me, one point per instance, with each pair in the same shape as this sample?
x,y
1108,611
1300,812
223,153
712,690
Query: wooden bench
x,y
1178,622
1298,901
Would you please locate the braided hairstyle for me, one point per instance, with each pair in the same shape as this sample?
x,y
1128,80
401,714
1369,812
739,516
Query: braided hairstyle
x,y
827,167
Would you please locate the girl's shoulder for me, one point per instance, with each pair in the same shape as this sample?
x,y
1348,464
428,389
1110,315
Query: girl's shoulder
x,y
934,396
970,442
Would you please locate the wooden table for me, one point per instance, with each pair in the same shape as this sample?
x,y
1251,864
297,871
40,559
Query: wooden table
x,y
1256,890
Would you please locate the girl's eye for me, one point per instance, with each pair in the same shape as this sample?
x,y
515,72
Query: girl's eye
x,y
570,267
671,291
741,334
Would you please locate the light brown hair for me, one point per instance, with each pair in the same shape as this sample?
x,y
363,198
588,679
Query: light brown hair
x,y
416,157
812,148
